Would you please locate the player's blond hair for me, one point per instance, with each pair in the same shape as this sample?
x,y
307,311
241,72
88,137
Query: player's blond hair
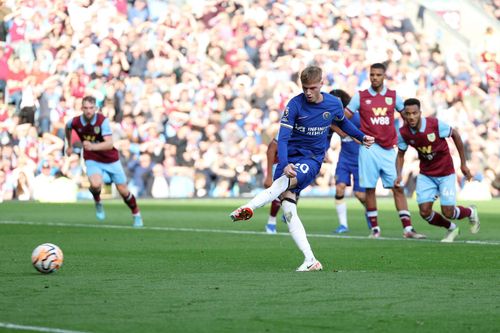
x,y
311,74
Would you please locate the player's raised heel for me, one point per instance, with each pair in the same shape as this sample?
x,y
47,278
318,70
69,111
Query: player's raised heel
x,y
474,220
99,211
310,267
450,235
242,213
413,234
137,221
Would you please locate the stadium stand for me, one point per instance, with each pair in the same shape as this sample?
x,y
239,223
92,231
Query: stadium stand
x,y
195,89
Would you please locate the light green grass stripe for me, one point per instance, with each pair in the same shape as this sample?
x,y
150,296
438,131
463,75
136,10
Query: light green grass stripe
x,y
240,232
36,328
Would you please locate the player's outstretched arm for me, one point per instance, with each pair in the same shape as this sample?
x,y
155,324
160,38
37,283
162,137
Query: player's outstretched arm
x,y
351,130
337,130
461,152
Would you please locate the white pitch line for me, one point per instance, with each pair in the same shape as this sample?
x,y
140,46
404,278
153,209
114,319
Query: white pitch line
x,y
239,232
36,328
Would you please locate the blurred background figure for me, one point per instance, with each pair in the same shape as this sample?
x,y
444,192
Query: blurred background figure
x,y
210,78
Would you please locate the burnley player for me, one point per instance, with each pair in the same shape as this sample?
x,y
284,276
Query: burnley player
x,y
101,158
301,149
437,176
376,106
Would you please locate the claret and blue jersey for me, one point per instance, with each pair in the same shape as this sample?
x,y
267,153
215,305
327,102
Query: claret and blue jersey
x,y
377,114
350,148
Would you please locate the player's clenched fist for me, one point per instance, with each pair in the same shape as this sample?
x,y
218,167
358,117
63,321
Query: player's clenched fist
x,y
289,171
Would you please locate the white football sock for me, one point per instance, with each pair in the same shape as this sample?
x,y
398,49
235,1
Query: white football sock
x,y
297,230
341,212
271,220
279,186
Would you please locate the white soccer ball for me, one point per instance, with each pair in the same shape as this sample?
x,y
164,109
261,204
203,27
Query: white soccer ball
x,y
47,258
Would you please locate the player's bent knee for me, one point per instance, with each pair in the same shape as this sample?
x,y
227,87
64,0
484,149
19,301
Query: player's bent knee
x,y
425,213
122,189
360,196
282,183
398,191
448,212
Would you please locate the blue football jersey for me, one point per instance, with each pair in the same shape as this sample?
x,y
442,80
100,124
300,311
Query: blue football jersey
x,y
349,149
305,126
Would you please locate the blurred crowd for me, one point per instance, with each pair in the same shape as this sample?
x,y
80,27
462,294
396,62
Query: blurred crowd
x,y
492,7
195,89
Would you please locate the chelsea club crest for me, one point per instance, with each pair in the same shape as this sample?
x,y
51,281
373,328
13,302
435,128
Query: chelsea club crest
x,y
326,115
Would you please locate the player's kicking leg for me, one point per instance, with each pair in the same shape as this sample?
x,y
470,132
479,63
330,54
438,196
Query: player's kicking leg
x,y
245,212
241,214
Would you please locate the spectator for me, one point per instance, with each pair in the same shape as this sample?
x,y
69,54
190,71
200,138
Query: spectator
x,y
42,182
227,70
140,171
23,190
159,187
6,188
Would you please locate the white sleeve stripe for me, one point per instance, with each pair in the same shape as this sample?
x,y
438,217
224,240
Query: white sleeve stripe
x,y
286,125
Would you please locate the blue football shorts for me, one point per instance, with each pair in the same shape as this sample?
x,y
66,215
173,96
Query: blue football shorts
x,y
430,188
110,172
343,173
307,169
374,163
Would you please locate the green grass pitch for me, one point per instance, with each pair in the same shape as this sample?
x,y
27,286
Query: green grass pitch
x,y
191,270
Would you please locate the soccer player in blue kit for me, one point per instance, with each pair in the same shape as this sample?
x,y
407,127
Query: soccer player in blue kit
x,y
302,138
347,165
